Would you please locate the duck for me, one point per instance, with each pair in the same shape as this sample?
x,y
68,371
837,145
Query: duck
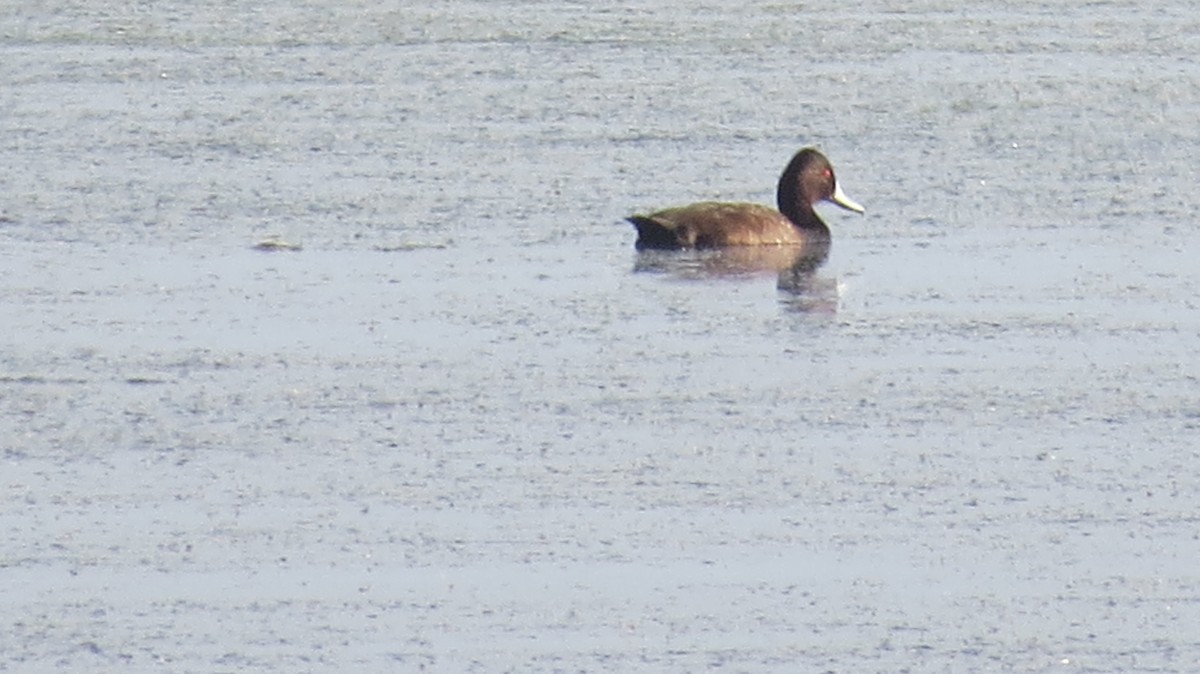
x,y
807,179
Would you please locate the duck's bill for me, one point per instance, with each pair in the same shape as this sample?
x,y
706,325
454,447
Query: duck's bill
x,y
839,197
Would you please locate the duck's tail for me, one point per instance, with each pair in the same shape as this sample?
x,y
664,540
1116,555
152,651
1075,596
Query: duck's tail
x,y
652,234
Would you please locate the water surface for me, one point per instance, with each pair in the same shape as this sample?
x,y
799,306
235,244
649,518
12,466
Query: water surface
x,y
468,428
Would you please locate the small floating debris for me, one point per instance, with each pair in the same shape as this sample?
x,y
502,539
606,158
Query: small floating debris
x,y
38,379
22,379
142,381
407,247
274,244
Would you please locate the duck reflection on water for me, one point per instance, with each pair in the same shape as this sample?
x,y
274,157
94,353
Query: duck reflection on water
x,y
794,267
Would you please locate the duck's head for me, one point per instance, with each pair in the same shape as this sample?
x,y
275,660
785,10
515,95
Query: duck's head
x,y
808,179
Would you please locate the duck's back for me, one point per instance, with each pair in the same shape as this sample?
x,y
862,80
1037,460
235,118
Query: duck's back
x,y
712,224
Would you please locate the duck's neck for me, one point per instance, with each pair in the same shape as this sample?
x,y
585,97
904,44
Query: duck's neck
x,y
797,208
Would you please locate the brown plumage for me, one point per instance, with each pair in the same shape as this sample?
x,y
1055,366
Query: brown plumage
x,y
807,179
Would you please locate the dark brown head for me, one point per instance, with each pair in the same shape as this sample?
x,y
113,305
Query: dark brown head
x,y
808,179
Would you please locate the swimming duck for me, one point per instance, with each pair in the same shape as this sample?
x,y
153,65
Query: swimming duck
x,y
807,179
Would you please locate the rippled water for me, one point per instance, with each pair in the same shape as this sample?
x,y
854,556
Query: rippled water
x,y
467,428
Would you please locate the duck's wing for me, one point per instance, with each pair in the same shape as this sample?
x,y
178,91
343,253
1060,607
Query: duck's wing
x,y
713,224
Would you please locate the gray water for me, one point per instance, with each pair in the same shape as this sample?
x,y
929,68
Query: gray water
x,y
467,428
